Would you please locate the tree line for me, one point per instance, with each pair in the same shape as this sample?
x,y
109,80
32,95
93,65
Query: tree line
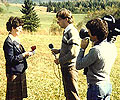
x,y
93,8
79,6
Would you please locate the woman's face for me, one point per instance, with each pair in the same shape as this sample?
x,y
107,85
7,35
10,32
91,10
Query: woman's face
x,y
17,30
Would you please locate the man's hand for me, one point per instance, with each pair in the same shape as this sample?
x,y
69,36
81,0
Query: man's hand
x,y
84,43
56,61
55,51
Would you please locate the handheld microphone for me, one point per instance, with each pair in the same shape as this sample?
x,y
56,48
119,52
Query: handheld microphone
x,y
32,52
51,47
33,48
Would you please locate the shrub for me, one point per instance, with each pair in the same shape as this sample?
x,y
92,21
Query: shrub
x,y
1,10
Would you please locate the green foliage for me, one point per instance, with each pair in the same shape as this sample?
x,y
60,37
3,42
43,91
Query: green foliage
x,y
46,19
81,6
42,82
55,29
1,10
49,8
108,11
115,12
31,20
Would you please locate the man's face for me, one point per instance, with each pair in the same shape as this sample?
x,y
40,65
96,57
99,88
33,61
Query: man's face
x,y
61,22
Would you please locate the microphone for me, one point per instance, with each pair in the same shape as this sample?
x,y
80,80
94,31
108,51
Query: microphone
x,y
51,47
33,48
32,52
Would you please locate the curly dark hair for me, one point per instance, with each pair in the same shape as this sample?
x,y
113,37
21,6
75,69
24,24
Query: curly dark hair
x,y
98,27
14,22
64,13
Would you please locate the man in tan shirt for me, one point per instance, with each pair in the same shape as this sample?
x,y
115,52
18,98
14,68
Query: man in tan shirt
x,y
68,54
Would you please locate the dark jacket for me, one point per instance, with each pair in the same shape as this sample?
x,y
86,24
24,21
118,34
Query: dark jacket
x,y
15,62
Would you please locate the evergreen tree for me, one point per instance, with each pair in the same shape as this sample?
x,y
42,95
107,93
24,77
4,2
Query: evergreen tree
x,y
49,8
40,3
31,20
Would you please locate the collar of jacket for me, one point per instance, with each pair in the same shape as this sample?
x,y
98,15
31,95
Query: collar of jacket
x,y
14,38
98,42
68,28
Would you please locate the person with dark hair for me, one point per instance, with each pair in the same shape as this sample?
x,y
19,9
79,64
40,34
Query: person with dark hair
x,y
99,60
68,53
16,64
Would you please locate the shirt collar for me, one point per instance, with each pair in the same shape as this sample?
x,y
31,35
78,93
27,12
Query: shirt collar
x,y
14,38
68,28
97,43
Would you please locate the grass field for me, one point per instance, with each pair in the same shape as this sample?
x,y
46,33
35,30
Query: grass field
x,y
41,79
42,82
46,18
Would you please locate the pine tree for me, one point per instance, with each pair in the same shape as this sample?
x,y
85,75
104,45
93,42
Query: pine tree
x,y
31,20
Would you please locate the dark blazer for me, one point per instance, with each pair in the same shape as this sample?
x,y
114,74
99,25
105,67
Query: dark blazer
x,y
15,62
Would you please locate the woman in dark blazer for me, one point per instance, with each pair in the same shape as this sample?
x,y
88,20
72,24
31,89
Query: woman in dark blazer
x,y
16,64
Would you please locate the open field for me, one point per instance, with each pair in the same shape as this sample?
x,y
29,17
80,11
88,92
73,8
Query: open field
x,y
46,18
41,79
42,82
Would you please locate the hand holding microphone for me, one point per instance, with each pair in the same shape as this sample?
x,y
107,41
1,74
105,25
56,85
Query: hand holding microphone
x,y
30,53
33,49
54,52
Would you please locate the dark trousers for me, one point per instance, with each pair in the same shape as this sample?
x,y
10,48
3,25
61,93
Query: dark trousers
x,y
70,78
99,92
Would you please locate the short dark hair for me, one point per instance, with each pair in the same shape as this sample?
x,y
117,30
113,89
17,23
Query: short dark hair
x,y
98,27
64,13
14,22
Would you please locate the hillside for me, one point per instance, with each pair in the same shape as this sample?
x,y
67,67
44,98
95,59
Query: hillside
x,y
36,1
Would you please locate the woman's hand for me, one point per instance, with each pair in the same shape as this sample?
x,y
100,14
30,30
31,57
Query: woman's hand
x,y
25,54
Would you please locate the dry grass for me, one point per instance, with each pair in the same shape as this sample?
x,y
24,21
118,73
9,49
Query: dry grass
x,y
46,18
42,82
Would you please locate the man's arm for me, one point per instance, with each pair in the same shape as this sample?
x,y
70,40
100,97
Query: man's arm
x,y
83,62
69,56
86,61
